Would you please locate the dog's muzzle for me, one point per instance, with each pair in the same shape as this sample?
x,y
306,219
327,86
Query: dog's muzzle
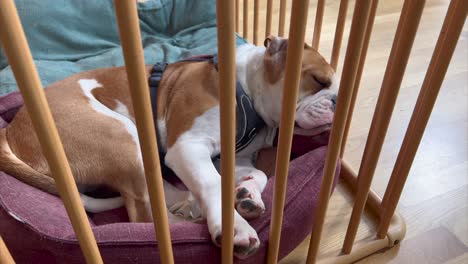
x,y
314,113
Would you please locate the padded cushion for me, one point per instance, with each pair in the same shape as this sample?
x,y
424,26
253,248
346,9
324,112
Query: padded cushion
x,y
36,227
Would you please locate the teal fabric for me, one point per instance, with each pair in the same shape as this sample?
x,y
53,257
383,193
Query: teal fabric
x,y
70,36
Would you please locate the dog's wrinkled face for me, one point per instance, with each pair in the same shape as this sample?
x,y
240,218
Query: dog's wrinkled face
x,y
318,86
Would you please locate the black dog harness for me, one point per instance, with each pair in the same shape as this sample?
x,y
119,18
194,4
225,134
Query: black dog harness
x,y
248,122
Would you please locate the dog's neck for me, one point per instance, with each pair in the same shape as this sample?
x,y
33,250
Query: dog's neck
x,y
250,73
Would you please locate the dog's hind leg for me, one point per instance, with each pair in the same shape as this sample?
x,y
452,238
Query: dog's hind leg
x,y
138,208
131,183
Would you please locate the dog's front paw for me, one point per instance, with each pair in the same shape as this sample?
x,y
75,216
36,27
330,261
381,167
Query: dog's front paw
x,y
248,200
246,241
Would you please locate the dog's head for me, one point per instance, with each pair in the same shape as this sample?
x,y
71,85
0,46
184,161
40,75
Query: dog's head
x,y
317,89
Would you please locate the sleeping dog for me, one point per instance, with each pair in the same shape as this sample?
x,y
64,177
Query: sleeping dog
x,y
94,116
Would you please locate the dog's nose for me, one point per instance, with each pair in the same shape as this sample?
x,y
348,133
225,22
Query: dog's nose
x,y
333,100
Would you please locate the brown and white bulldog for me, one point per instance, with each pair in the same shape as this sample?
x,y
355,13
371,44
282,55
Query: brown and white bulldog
x,y
94,116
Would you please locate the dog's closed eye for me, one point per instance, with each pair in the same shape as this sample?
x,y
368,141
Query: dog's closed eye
x,y
324,83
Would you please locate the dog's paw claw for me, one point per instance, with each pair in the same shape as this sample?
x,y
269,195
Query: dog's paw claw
x,y
249,209
218,240
243,193
248,205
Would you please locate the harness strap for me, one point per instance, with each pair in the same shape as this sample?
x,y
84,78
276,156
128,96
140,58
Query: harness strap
x,y
155,78
248,122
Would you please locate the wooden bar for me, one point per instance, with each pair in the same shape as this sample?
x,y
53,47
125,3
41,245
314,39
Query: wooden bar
x,y
129,31
16,49
401,49
227,84
282,18
292,76
349,175
318,24
357,82
448,38
246,19
269,14
237,15
255,31
5,256
356,39
367,245
340,24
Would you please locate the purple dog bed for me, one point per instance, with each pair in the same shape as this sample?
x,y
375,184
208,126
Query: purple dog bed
x,y
36,227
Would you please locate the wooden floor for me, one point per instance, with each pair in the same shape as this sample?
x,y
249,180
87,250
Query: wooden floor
x,y
435,200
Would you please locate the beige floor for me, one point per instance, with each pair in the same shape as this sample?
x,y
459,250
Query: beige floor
x,y
435,200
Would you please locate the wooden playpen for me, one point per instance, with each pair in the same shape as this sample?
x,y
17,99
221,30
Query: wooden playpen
x,y
390,225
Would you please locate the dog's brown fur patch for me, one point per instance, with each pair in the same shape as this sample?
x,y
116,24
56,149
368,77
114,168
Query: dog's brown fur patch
x,y
184,94
91,161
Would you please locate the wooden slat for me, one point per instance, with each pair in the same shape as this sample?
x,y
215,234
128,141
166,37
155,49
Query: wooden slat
x,y
401,49
255,25
282,18
340,24
19,56
450,33
129,31
5,256
227,84
356,39
237,15
318,24
297,30
245,32
269,14
357,82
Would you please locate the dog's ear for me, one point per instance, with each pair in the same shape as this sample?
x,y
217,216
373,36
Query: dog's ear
x,y
275,44
275,58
